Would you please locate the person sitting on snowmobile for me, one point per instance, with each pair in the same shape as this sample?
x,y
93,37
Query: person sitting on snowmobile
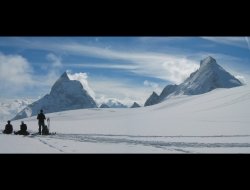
x,y
23,130
41,117
8,128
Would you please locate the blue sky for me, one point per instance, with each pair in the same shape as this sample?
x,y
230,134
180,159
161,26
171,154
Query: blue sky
x,y
126,68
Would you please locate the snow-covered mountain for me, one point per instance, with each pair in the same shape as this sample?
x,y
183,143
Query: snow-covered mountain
x,y
65,94
9,108
114,103
135,105
208,77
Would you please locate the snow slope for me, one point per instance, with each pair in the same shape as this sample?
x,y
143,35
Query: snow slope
x,y
214,122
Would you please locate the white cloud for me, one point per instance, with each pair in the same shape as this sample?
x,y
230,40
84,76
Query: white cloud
x,y
174,68
47,80
15,71
82,77
102,65
144,63
161,39
18,78
248,43
179,70
55,60
52,72
233,41
140,62
241,78
150,84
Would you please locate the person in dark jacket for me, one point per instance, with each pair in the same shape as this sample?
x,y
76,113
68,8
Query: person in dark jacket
x,y
23,130
8,128
41,117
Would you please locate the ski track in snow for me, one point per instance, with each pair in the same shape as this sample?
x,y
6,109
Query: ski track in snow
x,y
165,144
50,145
110,139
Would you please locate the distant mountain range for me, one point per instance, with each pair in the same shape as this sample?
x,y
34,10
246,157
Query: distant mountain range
x,y
9,108
113,103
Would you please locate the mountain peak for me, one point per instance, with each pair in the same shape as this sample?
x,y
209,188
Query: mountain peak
x,y
152,99
208,61
135,105
154,94
65,76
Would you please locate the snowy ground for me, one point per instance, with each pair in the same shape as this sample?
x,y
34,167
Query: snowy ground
x,y
215,122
